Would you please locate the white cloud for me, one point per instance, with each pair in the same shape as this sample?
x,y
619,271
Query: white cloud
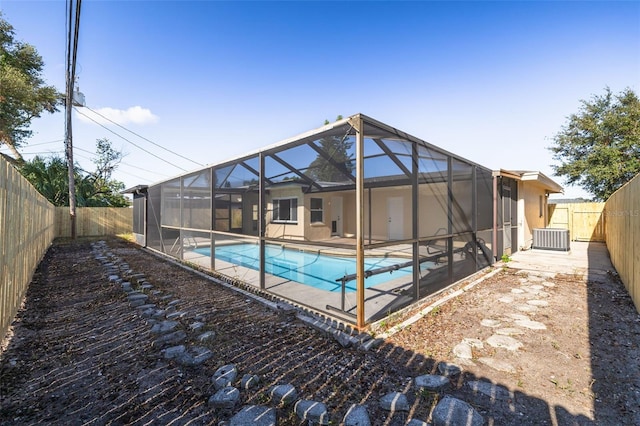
x,y
135,114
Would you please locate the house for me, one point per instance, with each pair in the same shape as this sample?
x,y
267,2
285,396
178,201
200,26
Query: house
x,y
354,219
521,205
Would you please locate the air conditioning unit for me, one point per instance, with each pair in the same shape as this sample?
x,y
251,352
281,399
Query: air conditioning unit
x,y
551,239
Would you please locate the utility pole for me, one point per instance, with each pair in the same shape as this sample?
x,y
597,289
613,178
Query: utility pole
x,y
72,49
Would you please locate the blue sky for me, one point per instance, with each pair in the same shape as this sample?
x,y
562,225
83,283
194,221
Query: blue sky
x,y
490,81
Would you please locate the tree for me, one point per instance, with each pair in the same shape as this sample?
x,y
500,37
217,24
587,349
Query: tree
x,y
599,147
98,188
340,165
93,189
23,93
49,176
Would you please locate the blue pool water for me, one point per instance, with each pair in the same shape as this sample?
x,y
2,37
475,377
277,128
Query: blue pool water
x,y
313,269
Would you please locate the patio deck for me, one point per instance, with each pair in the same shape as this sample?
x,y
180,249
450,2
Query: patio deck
x,y
380,299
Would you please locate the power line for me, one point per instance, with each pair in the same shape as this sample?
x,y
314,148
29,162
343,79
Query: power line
x,y
43,152
142,137
137,146
45,143
144,170
120,170
124,163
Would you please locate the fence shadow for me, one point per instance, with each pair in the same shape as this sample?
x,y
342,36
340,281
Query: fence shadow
x,y
97,361
614,333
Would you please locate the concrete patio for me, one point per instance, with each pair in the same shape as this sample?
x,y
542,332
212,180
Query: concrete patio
x,y
589,259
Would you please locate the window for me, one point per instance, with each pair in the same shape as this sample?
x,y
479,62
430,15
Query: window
x,y
316,210
254,216
285,210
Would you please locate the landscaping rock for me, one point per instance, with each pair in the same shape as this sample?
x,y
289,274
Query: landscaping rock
x,y
196,326
137,277
249,381
145,307
492,323
170,339
451,411
164,327
509,331
357,415
394,401
207,335
226,398
526,308
533,325
449,370
283,394
224,376
342,338
173,351
137,299
431,382
518,317
538,303
370,344
474,343
176,315
312,411
254,415
506,342
137,296
463,350
194,356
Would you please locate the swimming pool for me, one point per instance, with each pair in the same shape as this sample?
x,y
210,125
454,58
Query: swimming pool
x,y
313,269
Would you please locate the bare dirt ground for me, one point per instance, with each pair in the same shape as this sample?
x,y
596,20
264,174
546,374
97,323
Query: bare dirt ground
x,y
78,354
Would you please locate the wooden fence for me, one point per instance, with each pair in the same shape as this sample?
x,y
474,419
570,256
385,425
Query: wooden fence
x,y
94,221
26,232
28,225
585,221
622,213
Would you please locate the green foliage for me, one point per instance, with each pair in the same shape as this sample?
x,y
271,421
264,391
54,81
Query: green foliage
x,y
50,177
99,187
23,93
338,165
599,147
505,258
93,189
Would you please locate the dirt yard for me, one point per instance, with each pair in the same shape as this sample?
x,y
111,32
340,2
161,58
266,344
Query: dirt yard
x,y
79,354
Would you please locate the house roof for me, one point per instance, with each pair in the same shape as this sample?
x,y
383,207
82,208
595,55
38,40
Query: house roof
x,y
532,176
135,189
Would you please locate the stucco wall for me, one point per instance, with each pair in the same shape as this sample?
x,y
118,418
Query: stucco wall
x,y
380,212
530,213
285,230
317,231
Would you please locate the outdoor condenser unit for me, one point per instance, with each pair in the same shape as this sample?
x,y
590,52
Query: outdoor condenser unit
x,y
551,239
